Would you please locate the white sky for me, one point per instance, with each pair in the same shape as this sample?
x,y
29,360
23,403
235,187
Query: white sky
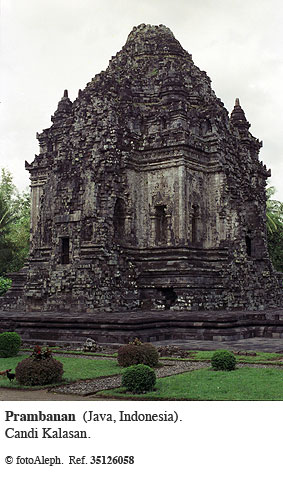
x,y
50,45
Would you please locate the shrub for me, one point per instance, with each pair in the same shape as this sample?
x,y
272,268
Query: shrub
x,y
40,354
223,360
136,341
5,284
139,378
39,369
9,344
131,354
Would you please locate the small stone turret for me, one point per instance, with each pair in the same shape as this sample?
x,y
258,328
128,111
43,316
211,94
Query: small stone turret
x,y
238,119
64,108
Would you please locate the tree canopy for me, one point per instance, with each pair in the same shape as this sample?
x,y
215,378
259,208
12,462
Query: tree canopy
x,y
274,221
14,225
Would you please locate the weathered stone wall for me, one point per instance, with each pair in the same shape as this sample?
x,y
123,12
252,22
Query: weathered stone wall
x,y
146,194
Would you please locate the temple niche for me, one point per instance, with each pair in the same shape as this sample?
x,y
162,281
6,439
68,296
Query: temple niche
x,y
146,194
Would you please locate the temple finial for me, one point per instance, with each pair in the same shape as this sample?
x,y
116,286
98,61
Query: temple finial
x,y
65,93
237,102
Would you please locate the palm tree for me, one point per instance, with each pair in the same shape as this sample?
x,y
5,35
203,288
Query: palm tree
x,y
274,221
274,212
7,215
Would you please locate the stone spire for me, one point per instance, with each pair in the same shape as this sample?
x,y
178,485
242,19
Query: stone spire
x,y
64,107
238,119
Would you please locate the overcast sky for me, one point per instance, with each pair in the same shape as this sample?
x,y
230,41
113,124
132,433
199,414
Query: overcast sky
x,y
50,45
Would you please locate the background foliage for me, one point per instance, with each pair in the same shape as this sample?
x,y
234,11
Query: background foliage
x,y
14,228
274,215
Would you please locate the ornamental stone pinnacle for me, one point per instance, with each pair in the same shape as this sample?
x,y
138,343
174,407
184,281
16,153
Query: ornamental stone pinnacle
x,y
147,195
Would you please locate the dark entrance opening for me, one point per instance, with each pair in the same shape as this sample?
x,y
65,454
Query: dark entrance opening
x,y
119,219
194,229
248,245
65,250
170,297
161,224
194,224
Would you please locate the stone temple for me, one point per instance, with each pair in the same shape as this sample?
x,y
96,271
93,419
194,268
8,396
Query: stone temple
x,y
147,195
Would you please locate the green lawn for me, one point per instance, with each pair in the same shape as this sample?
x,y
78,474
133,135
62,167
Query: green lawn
x,y
245,383
74,368
204,384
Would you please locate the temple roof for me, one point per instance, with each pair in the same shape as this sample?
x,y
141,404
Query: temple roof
x,y
158,39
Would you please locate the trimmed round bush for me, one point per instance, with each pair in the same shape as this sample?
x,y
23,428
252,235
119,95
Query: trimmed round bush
x,y
139,378
223,360
10,343
33,372
131,354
